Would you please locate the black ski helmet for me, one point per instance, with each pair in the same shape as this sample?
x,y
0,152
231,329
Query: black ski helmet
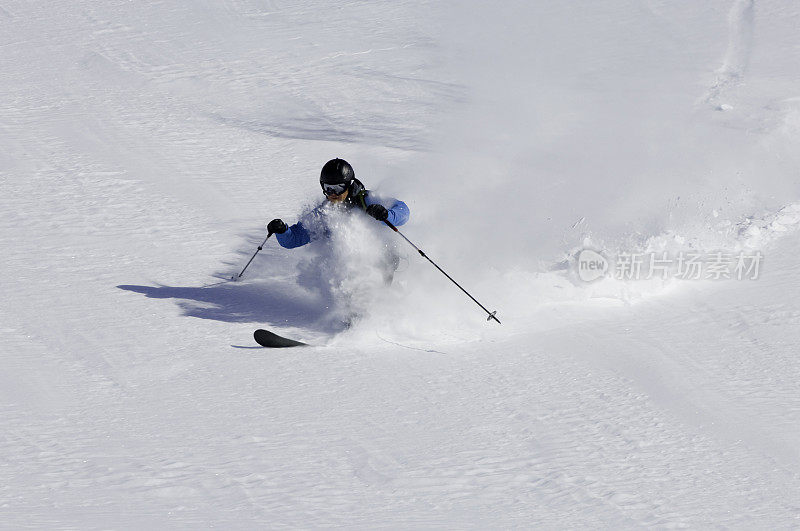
x,y
336,176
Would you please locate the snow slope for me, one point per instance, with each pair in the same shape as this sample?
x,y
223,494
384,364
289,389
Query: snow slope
x,y
145,144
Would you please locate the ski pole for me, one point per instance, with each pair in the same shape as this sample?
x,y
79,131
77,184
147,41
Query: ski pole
x,y
492,315
236,277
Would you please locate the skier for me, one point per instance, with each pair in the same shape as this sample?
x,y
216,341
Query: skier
x,y
342,189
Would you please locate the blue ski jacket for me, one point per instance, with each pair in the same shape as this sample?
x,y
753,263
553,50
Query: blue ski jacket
x,y
304,230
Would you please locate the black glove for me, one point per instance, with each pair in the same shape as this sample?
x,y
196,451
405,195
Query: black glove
x,y
276,226
378,212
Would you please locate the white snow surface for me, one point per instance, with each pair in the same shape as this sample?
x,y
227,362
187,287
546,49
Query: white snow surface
x,y
144,145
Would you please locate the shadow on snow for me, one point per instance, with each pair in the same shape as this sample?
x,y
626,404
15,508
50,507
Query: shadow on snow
x,y
234,302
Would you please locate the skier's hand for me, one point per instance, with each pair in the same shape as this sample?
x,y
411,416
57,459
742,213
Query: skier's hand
x,y
378,212
276,226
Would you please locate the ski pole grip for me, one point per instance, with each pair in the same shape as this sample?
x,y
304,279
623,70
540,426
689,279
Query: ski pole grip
x,y
389,224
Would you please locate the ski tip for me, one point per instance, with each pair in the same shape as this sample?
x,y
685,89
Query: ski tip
x,y
267,339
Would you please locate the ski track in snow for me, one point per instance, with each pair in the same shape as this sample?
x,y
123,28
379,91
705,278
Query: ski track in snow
x,y
144,146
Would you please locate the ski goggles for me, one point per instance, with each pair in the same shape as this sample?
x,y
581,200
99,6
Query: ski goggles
x,y
334,189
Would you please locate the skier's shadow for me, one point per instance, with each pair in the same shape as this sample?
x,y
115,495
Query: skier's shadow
x,y
235,302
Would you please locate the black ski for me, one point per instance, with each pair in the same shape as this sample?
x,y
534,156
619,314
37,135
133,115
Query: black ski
x,y
265,338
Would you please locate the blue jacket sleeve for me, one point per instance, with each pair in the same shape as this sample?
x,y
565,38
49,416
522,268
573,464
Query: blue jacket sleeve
x,y
295,236
398,211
